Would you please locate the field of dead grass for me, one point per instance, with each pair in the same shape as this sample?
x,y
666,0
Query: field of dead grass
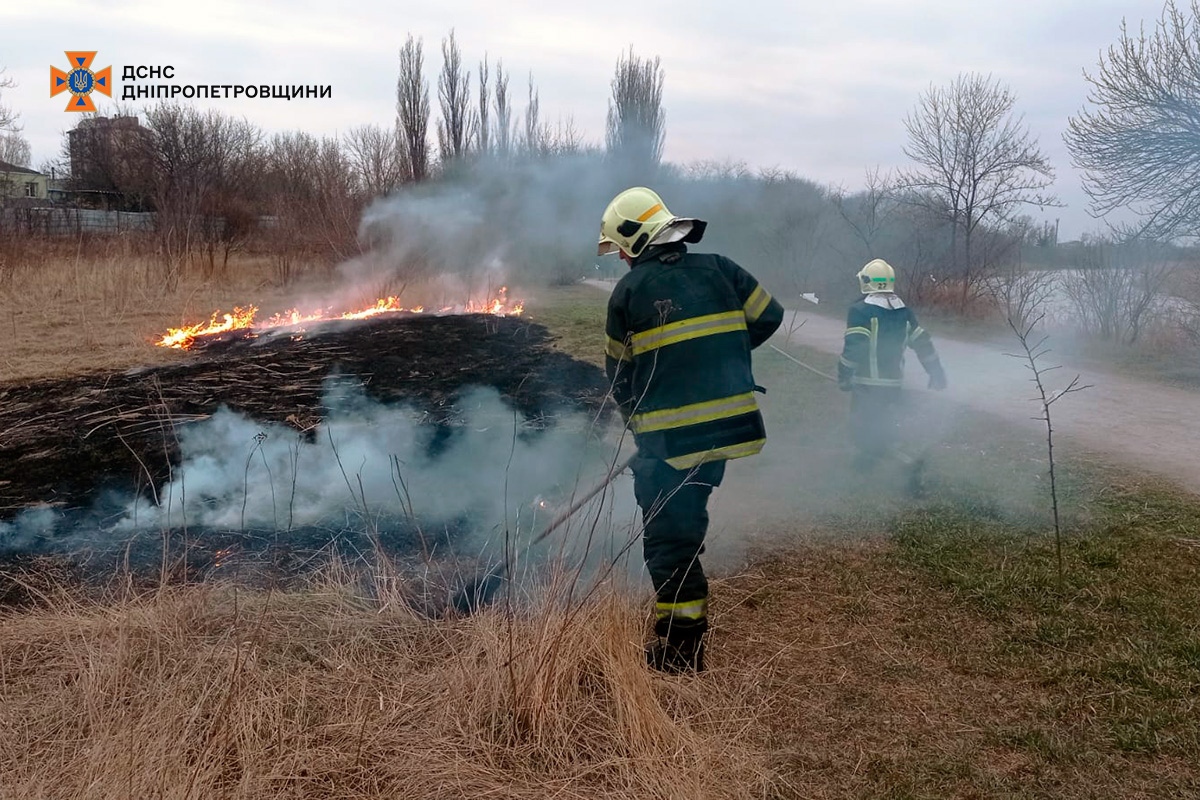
x,y
875,650
205,691
70,306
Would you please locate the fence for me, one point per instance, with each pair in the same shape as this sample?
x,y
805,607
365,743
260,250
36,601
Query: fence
x,y
72,221
55,221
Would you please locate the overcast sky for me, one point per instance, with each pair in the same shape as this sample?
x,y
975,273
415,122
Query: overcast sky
x,y
820,88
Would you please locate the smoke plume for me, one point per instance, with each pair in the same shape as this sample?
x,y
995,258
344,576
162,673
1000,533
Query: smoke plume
x,y
364,467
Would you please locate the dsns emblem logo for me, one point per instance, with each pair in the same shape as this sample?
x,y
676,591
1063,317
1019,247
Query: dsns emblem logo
x,y
80,81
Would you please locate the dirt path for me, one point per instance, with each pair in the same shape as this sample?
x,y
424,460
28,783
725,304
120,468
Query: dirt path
x,y
1142,425
1139,424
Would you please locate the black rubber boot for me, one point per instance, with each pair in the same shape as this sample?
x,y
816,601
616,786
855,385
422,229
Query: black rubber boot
x,y
676,656
914,486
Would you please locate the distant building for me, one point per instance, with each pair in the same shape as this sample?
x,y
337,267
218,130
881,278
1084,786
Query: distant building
x,y
21,182
109,161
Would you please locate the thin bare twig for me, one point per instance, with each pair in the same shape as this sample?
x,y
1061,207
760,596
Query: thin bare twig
x,y
1033,353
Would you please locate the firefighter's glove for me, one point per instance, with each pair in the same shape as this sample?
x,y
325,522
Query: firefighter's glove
x,y
937,380
845,385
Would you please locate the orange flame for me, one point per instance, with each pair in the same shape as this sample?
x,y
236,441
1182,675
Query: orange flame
x,y
244,318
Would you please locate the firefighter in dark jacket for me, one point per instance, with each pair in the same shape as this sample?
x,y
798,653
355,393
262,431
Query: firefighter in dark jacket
x,y
879,328
680,330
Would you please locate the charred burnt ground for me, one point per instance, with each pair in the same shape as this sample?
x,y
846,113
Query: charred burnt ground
x,y
66,442
99,563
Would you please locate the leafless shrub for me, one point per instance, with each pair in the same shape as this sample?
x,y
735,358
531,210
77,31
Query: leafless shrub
x,y
412,109
565,139
1119,291
1188,291
1022,293
717,170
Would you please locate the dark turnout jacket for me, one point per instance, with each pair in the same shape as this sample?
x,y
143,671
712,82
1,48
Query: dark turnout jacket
x,y
875,340
680,330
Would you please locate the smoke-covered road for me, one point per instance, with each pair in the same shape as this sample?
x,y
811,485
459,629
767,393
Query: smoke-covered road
x,y
1139,424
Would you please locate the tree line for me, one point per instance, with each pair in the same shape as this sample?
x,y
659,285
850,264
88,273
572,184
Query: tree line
x,y
954,221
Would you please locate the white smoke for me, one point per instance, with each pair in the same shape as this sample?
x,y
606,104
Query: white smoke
x,y
364,465
366,460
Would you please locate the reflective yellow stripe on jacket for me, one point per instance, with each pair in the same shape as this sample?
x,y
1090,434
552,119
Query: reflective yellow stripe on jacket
x,y
718,454
874,337
694,328
756,303
693,414
617,350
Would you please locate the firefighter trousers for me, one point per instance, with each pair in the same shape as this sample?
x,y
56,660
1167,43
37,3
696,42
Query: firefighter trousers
x,y
874,422
674,506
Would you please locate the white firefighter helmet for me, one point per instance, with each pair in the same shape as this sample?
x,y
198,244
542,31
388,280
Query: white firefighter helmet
x,y
877,276
637,218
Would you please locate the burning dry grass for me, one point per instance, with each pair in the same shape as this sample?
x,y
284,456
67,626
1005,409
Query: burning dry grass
x,y
206,691
70,307
103,303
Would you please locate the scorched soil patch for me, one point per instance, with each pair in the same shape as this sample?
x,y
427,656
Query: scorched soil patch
x,y
64,441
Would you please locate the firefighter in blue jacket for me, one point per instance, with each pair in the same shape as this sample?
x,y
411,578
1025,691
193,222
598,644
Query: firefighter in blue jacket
x,y
680,330
879,328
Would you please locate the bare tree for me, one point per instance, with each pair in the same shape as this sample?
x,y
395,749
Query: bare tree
x,y
482,125
866,212
790,230
206,168
976,162
636,120
536,137
14,149
8,117
504,135
310,188
375,155
1140,145
412,109
454,98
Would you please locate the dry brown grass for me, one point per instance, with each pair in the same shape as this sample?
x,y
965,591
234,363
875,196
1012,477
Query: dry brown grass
x,y
206,691
836,670
69,306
